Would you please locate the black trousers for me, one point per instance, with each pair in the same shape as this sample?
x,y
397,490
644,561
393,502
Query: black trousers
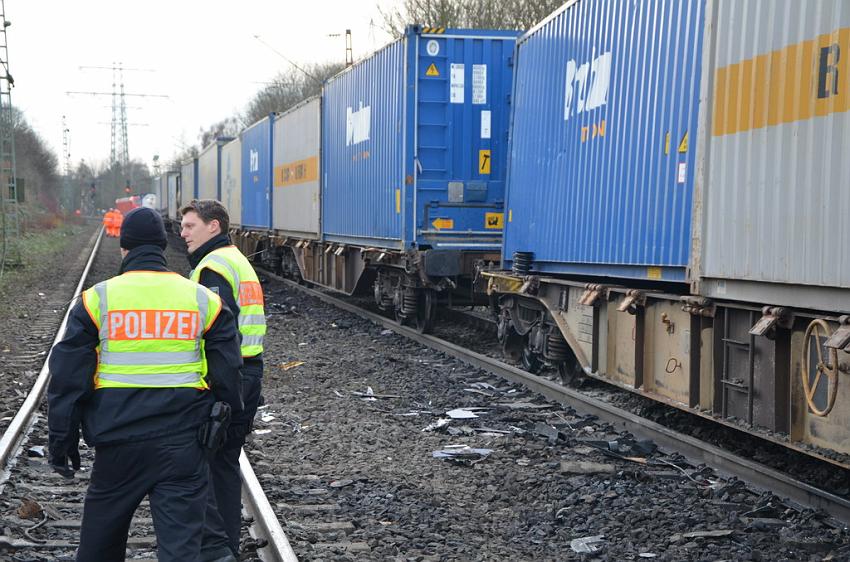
x,y
224,506
172,471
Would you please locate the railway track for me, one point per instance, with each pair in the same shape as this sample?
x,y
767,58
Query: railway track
x,y
758,475
46,522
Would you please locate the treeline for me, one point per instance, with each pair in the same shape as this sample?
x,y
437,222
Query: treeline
x,y
285,91
36,165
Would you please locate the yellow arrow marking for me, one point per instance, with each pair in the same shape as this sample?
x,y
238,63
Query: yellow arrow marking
x,y
440,224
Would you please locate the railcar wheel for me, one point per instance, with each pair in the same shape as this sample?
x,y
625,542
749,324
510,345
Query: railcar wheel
x,y
400,317
817,332
512,343
426,310
531,361
569,372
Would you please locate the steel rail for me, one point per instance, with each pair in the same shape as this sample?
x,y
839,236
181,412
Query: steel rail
x,y
693,449
278,549
23,419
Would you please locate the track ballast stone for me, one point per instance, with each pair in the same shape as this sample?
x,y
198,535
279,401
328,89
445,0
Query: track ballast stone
x,y
347,403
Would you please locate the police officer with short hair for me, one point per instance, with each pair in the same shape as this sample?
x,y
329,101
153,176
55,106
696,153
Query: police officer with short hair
x,y
146,358
220,266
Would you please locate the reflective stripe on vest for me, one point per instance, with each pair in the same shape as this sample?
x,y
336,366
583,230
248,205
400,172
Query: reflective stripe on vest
x,y
151,327
231,264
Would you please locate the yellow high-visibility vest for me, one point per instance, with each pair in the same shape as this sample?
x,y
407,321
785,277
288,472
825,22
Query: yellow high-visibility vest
x,y
151,326
229,262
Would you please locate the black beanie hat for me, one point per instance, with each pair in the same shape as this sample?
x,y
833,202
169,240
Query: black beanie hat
x,y
142,226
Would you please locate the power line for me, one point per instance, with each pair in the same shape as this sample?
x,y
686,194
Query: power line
x,y
281,55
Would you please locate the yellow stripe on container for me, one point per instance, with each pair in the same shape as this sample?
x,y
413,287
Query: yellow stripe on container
x,y
791,84
300,171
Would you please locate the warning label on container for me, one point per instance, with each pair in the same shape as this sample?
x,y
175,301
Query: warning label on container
x,y
484,161
683,144
456,83
479,84
485,124
494,221
432,70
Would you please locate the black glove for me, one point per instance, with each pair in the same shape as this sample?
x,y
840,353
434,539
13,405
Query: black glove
x,y
61,453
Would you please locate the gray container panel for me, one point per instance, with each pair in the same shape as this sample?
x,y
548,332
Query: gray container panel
x,y
297,143
774,195
231,180
208,172
170,188
187,183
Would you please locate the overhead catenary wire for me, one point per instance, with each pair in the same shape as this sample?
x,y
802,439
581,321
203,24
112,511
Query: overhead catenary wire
x,y
290,61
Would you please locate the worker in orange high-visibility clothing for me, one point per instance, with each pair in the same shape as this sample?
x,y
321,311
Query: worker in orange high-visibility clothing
x,y
107,222
117,220
113,231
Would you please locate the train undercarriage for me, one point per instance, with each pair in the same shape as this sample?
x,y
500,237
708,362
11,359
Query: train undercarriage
x,y
777,371
410,285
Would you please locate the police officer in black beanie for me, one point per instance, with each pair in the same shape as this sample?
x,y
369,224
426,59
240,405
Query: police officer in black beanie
x,y
131,371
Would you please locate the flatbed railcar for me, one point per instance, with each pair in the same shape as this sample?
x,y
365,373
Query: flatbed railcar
x,y
677,203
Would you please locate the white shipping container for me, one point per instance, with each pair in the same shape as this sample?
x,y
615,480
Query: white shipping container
x,y
169,186
231,180
187,182
297,146
209,172
772,197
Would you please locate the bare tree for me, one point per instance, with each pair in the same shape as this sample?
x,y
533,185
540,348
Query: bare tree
x,y
288,89
227,127
475,14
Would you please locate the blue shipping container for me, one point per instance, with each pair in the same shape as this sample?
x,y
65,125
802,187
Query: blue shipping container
x,y
414,142
603,144
257,174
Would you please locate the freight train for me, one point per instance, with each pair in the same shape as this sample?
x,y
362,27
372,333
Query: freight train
x,y
651,193
392,181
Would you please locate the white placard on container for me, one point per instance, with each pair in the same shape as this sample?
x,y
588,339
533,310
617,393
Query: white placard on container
x,y
479,84
457,83
683,172
485,124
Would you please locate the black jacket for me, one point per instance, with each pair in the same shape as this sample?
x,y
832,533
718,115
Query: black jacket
x,y
120,415
218,284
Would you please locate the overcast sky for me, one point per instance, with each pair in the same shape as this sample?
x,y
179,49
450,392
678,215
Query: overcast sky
x,y
203,52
